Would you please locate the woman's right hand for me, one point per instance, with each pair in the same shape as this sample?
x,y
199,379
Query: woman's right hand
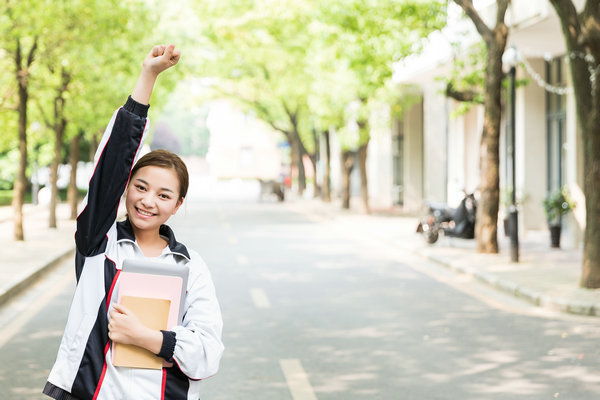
x,y
160,58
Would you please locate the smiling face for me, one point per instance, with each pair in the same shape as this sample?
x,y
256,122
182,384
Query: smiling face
x,y
152,197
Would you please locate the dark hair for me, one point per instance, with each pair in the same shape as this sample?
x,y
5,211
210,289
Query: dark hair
x,y
168,160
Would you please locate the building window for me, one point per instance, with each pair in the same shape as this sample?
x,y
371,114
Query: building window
x,y
555,125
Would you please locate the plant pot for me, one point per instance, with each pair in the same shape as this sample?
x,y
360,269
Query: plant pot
x,y
555,236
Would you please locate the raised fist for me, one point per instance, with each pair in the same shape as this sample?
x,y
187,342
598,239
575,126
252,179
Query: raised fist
x,y
161,57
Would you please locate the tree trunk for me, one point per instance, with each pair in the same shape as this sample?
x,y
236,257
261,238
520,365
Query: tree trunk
x,y
297,148
486,226
590,277
72,197
21,179
365,137
581,34
59,130
59,126
316,188
54,179
95,142
364,184
347,167
22,76
487,211
301,168
326,186
294,163
314,158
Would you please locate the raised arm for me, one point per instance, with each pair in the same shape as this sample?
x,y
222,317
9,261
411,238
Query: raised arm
x,y
159,59
116,155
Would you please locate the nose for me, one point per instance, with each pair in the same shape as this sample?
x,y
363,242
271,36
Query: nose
x,y
148,201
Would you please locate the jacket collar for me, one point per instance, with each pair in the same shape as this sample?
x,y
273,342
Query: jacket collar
x,y
125,232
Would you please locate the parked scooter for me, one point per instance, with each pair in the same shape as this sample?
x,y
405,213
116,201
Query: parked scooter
x,y
453,222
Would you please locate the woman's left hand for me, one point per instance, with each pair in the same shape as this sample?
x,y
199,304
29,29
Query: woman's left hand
x,y
123,326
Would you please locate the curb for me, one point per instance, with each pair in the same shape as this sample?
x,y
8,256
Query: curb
x,y
26,282
522,292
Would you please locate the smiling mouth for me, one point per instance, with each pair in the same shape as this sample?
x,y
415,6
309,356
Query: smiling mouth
x,y
144,213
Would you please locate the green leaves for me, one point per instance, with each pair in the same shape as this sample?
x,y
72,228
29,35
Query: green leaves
x,y
312,57
99,44
557,204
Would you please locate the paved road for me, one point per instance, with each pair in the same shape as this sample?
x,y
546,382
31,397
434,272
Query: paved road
x,y
314,310
31,327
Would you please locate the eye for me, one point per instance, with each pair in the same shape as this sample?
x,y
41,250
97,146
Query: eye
x,y
164,196
140,188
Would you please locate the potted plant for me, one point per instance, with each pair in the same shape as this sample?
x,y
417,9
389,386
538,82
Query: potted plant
x,y
557,204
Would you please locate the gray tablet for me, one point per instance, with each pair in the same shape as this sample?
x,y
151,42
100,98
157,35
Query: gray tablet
x,y
143,266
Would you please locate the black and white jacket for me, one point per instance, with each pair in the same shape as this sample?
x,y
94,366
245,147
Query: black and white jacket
x,y
83,368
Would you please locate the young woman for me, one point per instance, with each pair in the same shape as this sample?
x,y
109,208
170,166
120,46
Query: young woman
x,y
155,188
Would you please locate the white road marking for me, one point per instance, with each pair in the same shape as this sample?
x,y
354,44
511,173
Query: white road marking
x,y
259,297
297,380
17,324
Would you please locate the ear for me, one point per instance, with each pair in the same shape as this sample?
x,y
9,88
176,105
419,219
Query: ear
x,y
179,202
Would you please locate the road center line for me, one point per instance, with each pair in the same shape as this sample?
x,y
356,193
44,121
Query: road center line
x,y
259,297
17,324
297,380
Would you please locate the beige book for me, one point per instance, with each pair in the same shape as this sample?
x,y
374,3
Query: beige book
x,y
153,313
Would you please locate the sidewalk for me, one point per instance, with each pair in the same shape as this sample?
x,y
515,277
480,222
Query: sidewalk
x,y
544,276
21,263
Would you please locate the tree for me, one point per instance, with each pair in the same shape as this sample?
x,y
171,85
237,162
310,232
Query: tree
x,y
372,35
332,90
259,60
74,157
326,110
467,78
77,30
58,124
581,30
495,39
275,55
20,38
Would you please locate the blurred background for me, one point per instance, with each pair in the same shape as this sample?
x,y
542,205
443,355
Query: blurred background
x,y
320,134
378,101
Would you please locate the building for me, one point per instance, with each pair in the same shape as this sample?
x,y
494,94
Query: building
x,y
432,153
241,146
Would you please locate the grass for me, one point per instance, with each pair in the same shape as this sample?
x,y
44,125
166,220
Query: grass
x,y
5,197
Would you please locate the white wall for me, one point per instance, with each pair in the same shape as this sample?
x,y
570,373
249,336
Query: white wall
x,y
413,158
575,221
379,159
435,142
531,149
464,172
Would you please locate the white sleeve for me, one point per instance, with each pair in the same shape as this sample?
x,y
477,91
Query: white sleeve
x,y
198,347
